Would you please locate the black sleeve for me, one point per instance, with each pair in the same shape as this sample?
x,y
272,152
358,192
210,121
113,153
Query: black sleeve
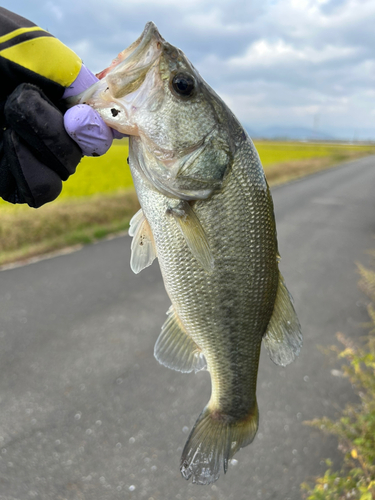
x,y
36,153
15,30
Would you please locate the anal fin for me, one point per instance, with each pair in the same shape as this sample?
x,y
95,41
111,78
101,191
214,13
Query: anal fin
x,y
283,338
143,246
175,349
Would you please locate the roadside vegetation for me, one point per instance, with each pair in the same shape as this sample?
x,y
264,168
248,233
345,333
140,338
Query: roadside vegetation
x,y
355,429
285,161
99,199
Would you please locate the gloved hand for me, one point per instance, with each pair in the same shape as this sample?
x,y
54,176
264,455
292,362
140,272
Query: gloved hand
x,y
84,124
36,152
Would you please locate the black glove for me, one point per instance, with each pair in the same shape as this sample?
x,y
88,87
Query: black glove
x,y
36,153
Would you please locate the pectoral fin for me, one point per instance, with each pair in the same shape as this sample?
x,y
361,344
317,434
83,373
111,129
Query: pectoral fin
x,y
283,338
194,234
176,349
143,246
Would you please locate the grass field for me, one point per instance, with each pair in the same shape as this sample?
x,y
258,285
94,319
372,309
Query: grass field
x,y
272,152
111,172
99,199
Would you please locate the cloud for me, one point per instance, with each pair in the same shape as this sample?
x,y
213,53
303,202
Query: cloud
x,y
264,53
274,61
55,10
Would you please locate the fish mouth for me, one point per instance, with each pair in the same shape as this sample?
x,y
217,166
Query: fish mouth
x,y
127,72
130,74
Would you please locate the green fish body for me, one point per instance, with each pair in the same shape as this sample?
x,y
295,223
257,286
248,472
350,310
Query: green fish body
x,y
207,215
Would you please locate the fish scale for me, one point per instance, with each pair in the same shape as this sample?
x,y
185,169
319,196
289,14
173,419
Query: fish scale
x,y
207,215
228,329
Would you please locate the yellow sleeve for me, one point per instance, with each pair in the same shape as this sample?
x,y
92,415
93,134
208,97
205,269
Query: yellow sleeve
x,y
37,50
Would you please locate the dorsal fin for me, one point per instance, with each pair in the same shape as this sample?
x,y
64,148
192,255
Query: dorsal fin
x,y
283,338
176,349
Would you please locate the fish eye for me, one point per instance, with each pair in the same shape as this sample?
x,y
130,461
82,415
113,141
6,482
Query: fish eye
x,y
183,84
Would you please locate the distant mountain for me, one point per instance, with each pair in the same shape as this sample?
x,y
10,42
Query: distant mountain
x,y
298,133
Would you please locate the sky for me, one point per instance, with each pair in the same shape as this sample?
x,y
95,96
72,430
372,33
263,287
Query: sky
x,y
276,63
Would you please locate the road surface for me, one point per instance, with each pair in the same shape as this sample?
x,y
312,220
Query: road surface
x,y
88,413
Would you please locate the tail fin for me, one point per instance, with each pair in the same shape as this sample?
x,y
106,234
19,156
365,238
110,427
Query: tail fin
x,y
213,441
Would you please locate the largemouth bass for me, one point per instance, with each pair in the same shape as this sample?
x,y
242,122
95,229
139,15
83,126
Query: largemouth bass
x,y
207,215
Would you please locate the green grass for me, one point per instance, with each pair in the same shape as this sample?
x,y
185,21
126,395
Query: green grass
x,y
26,232
99,198
355,427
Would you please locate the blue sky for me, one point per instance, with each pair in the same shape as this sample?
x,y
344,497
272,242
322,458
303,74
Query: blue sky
x,y
275,62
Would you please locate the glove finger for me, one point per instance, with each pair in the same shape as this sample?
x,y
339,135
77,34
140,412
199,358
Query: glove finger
x,y
87,128
83,81
8,186
41,125
117,134
36,184
78,125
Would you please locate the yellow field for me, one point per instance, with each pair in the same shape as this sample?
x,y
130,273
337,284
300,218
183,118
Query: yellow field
x,y
105,174
110,173
271,152
99,199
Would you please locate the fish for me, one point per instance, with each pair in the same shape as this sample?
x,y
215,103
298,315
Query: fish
x,y
207,215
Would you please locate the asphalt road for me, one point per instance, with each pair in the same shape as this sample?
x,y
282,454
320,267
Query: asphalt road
x,y
88,413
